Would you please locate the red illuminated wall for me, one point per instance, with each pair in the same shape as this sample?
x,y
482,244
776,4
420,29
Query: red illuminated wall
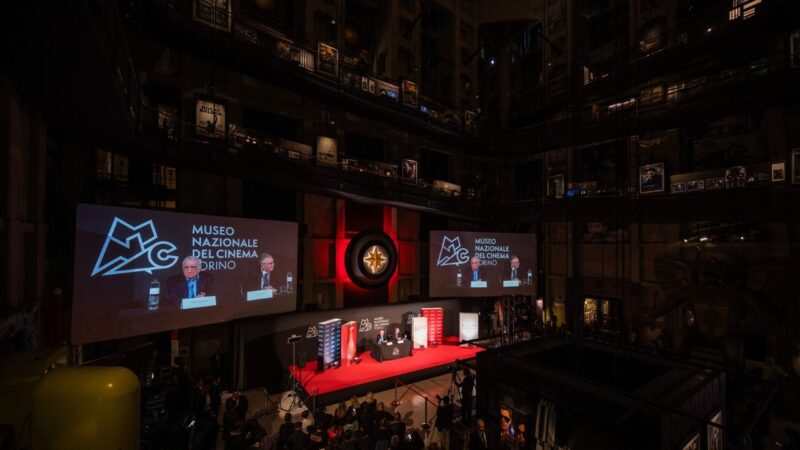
x,y
330,224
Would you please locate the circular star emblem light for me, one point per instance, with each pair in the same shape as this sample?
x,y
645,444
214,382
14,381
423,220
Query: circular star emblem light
x,y
371,259
376,259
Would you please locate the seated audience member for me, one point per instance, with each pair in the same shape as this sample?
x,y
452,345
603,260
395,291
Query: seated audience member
x,y
307,421
286,429
297,440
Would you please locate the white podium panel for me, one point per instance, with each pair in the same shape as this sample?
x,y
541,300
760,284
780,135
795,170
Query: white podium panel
x,y
259,295
477,284
419,331
467,326
511,283
198,302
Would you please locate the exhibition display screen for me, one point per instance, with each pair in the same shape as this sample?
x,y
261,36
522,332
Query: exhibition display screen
x,y
140,271
478,264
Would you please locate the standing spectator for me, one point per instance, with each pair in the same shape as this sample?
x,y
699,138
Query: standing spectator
x,y
397,427
444,422
478,439
215,394
466,385
382,414
197,400
322,418
238,403
380,435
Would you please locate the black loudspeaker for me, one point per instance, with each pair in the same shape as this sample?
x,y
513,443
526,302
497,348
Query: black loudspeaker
x,y
320,364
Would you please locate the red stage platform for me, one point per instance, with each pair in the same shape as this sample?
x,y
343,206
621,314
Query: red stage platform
x,y
379,375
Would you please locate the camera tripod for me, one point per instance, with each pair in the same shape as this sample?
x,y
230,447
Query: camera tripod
x,y
291,398
455,381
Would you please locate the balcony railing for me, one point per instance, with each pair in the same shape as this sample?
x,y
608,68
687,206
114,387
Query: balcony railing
x,y
338,71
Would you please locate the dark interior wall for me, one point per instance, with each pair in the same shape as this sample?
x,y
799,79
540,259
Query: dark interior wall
x,y
264,354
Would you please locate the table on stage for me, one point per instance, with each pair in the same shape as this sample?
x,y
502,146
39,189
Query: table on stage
x,y
391,350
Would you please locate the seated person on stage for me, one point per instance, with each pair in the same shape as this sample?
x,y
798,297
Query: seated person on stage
x,y
190,283
381,338
397,335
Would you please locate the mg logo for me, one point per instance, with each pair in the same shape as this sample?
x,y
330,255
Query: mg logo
x,y
452,253
365,325
133,248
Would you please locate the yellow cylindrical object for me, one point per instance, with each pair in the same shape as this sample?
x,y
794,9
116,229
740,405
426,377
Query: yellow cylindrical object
x,y
86,408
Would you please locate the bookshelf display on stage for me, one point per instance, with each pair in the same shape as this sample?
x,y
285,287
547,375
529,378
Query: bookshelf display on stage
x,y
435,324
329,334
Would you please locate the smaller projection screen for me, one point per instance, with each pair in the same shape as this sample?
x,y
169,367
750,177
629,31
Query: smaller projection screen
x,y
139,271
482,264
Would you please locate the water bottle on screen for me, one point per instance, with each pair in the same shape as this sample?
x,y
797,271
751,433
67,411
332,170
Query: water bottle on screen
x,y
459,276
530,276
155,292
289,282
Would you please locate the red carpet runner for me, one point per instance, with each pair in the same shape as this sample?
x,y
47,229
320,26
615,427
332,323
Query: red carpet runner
x,y
370,370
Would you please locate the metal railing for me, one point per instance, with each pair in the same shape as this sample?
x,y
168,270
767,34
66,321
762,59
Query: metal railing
x,y
426,424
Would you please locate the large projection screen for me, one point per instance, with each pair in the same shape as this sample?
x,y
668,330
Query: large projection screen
x,y
482,264
132,277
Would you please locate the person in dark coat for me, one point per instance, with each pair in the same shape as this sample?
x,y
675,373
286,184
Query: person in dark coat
x,y
286,430
297,440
478,438
466,385
238,403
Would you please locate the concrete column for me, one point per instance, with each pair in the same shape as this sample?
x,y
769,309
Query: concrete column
x,y
22,229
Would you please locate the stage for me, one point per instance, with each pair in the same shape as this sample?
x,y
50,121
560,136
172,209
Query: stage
x,y
341,383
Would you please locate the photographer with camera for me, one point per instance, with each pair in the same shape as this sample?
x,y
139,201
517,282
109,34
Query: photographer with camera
x,y
444,421
466,385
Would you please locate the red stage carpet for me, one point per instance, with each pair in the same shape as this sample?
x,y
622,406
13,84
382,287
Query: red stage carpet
x,y
370,370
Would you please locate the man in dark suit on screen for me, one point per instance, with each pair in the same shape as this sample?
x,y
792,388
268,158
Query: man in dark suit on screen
x,y
190,283
266,277
514,271
476,272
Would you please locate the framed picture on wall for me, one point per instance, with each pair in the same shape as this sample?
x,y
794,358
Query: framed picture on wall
x,y
778,172
796,166
651,178
214,13
715,184
328,60
555,186
677,188
794,49
696,185
410,170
